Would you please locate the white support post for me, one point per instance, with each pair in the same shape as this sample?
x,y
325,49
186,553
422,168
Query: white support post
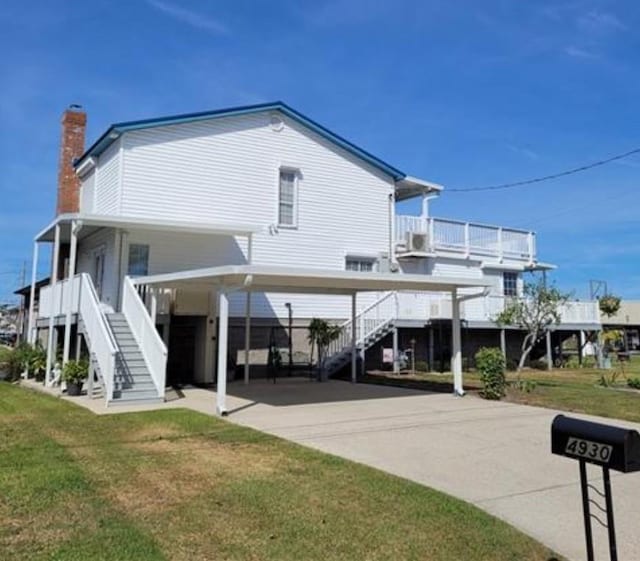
x,y
153,312
31,335
396,354
549,353
456,346
467,240
363,334
247,337
432,235
531,246
73,250
353,338
503,343
500,248
54,281
221,387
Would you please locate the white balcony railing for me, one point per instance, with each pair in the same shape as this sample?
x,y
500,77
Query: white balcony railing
x,y
424,306
54,301
468,238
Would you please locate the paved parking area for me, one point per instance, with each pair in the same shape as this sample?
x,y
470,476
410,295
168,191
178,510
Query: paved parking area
x,y
494,455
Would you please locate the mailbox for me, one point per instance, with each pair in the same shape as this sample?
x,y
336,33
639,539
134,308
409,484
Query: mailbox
x,y
611,447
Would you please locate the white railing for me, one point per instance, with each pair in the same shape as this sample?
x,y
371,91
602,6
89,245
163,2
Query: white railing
x,y
55,300
145,333
98,334
468,237
424,306
368,321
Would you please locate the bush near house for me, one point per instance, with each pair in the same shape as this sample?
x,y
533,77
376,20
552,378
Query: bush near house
x,y
491,365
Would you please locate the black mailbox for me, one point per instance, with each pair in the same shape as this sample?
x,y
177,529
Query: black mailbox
x,y
611,447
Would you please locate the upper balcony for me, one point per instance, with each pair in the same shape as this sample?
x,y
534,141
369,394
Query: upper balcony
x,y
438,235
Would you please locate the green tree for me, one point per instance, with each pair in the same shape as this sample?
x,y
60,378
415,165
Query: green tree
x,y
609,305
321,335
535,312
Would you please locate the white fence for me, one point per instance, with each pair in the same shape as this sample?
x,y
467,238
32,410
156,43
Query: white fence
x,y
145,333
468,237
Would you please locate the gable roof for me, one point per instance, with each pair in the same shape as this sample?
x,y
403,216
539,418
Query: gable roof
x,y
115,130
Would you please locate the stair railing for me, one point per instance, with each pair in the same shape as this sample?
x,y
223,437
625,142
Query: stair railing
x,y
98,335
368,321
146,335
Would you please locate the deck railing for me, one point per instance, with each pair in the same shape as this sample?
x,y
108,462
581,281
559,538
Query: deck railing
x,y
467,237
55,300
424,306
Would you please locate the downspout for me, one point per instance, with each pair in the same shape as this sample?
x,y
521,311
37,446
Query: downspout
x,y
392,253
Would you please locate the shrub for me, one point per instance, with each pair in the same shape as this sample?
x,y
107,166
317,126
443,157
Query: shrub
x,y
422,366
538,365
75,371
573,363
490,363
634,383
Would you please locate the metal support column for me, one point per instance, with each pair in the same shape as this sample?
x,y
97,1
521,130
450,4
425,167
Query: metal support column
x,y
223,327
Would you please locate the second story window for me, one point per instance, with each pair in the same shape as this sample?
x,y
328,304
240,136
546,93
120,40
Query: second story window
x,y
287,198
510,284
361,264
138,260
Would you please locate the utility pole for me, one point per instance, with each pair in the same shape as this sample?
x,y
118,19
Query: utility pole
x,y
23,279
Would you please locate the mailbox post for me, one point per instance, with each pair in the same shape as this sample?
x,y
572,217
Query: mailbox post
x,y
612,448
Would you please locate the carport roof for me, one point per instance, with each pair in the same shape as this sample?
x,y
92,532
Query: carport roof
x,y
260,278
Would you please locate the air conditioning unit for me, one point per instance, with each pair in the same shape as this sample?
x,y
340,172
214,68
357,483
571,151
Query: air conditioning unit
x,y
417,242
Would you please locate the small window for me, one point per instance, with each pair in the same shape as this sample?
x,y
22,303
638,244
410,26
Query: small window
x,y
510,284
138,260
287,198
361,264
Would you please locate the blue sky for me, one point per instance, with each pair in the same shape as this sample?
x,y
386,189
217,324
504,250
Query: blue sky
x,y
462,93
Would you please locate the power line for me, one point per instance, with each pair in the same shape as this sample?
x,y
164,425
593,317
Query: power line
x,y
547,177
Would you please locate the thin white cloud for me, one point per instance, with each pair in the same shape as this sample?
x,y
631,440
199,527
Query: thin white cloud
x,y
523,151
577,52
190,17
598,21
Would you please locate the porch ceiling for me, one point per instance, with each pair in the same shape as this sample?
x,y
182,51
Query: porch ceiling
x,y
94,221
257,278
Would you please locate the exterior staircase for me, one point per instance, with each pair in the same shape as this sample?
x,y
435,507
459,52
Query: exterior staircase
x,y
132,380
372,324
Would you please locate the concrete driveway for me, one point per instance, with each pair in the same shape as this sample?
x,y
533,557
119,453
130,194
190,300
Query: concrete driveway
x,y
494,455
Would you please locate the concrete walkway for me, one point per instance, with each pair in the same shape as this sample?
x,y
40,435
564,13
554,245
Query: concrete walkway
x,y
494,455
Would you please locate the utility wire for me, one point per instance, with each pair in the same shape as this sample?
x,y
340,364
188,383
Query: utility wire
x,y
547,177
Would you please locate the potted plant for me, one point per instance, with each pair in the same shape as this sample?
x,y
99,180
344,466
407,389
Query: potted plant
x,y
74,374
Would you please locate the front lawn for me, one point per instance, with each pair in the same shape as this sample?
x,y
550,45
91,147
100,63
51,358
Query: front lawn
x,y
179,485
565,389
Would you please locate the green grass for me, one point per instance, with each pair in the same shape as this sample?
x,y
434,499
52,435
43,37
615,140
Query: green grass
x,y
565,389
179,485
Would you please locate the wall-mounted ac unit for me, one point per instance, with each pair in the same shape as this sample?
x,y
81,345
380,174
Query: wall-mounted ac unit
x,y
417,242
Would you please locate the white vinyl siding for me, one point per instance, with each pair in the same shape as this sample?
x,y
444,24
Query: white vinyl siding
x,y
87,192
107,189
227,170
287,198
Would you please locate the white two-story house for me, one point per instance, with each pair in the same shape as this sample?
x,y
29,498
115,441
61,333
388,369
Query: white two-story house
x,y
185,246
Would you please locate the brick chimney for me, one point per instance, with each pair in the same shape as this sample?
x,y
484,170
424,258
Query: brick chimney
x,y
74,121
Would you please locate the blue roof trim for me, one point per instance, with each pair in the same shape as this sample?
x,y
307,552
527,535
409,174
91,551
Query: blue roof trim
x,y
115,130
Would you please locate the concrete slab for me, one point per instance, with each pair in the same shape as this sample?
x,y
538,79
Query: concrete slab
x,y
494,455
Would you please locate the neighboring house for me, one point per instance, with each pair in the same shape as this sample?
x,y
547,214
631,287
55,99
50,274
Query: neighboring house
x,y
196,240
628,321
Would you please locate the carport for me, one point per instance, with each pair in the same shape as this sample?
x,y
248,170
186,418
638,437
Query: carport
x,y
269,279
